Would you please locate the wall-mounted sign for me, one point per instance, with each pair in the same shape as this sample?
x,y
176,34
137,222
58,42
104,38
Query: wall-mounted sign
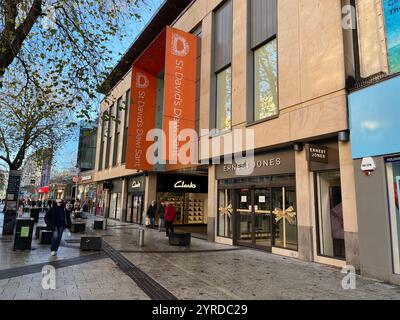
x,y
266,164
86,178
317,153
136,184
181,184
392,159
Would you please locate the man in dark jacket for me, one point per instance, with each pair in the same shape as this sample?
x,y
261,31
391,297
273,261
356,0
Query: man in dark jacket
x,y
151,213
57,219
161,214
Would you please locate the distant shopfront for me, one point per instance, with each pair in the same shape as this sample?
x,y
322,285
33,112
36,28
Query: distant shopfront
x,y
87,191
112,194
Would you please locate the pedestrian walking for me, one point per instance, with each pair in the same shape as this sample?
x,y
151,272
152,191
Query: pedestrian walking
x,y
169,218
57,220
151,213
161,215
77,205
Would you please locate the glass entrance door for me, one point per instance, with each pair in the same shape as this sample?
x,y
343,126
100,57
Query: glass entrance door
x,y
129,210
137,209
134,209
254,218
266,218
263,218
245,217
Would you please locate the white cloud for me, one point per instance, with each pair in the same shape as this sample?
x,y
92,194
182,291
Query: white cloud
x,y
370,125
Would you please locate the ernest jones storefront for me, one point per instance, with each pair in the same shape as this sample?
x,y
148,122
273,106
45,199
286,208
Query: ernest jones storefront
x,y
259,210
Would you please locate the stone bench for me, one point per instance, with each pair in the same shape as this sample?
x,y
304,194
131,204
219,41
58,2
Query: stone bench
x,y
91,243
45,236
38,229
98,224
180,239
78,227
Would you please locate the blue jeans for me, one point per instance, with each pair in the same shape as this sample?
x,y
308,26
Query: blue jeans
x,y
152,222
56,238
160,224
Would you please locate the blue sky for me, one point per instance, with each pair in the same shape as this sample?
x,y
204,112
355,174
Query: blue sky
x,y
67,155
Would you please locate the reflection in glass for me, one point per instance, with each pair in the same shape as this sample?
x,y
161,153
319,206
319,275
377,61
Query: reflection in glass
x,y
224,99
330,215
265,81
393,175
245,216
284,204
263,218
114,205
225,211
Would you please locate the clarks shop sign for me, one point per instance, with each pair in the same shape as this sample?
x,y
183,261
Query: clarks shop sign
x,y
182,183
136,184
262,165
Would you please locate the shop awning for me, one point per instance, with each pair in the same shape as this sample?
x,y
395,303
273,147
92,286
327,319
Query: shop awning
x,y
171,61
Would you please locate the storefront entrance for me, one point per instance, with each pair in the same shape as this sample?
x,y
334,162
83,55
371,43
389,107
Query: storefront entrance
x,y
266,218
134,212
135,199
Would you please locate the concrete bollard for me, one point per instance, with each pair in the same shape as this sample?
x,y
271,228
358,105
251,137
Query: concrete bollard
x,y
141,237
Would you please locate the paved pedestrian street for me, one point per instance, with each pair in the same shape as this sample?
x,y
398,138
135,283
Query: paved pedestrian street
x,y
205,271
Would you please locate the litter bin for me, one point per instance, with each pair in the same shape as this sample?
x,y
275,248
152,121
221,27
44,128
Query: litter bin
x,y
10,217
180,239
23,234
34,214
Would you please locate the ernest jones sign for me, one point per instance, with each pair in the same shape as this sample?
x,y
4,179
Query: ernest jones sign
x,y
265,164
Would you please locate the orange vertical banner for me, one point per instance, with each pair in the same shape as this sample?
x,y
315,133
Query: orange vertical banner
x,y
180,89
141,119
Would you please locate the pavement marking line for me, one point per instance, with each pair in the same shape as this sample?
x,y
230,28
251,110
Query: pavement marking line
x,y
175,251
58,264
212,284
152,288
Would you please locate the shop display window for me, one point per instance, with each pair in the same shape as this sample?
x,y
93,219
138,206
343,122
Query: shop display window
x,y
190,208
285,218
393,181
225,212
330,215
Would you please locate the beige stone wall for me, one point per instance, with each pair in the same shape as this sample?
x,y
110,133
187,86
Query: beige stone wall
x,y
372,41
312,94
119,171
